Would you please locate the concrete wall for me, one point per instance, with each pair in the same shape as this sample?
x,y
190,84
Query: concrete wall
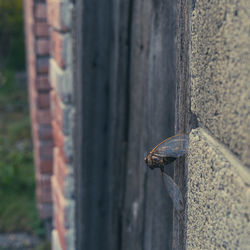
x,y
218,197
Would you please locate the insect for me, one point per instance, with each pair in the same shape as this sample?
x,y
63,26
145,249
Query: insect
x,y
164,153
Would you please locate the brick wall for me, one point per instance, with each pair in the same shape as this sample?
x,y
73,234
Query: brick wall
x,y
49,61
37,44
59,16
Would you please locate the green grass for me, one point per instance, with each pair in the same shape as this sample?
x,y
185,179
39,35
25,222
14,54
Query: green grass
x,y
18,211
12,35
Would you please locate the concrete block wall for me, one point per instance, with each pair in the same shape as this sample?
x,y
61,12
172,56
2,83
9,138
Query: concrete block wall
x,y
218,197
49,63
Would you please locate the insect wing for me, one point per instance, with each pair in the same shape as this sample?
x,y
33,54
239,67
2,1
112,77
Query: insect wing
x,y
174,192
172,147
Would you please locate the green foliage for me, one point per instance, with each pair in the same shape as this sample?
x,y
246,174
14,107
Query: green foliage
x,y
10,91
11,35
44,246
18,210
18,213
15,151
17,182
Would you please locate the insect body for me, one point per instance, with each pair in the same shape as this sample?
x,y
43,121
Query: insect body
x,y
163,154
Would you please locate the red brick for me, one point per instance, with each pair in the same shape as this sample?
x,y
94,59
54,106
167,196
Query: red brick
x,y
43,196
31,70
43,150
45,210
29,5
43,116
40,10
33,113
54,15
42,134
55,8
43,180
46,150
32,92
42,65
59,206
56,108
45,166
59,139
59,209
43,100
45,132
36,152
37,50
57,46
60,169
43,188
61,232
42,47
58,198
41,29
53,101
42,83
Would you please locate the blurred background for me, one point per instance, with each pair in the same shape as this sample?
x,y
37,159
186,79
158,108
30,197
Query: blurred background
x,y
20,225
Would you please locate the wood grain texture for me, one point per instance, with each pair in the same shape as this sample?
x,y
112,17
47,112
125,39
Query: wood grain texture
x,y
95,68
147,207
127,74
183,121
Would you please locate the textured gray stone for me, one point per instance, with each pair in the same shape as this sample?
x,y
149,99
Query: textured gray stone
x,y
69,183
61,80
68,148
220,73
218,196
66,13
68,119
69,211
70,239
67,51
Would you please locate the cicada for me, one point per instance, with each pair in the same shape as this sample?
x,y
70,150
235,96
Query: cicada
x,y
164,153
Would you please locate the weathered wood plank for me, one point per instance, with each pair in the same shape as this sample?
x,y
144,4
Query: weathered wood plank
x,y
161,114
148,209
128,84
118,115
183,121
96,54
133,215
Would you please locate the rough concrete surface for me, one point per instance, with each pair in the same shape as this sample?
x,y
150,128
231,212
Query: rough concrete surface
x,y
218,196
220,71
